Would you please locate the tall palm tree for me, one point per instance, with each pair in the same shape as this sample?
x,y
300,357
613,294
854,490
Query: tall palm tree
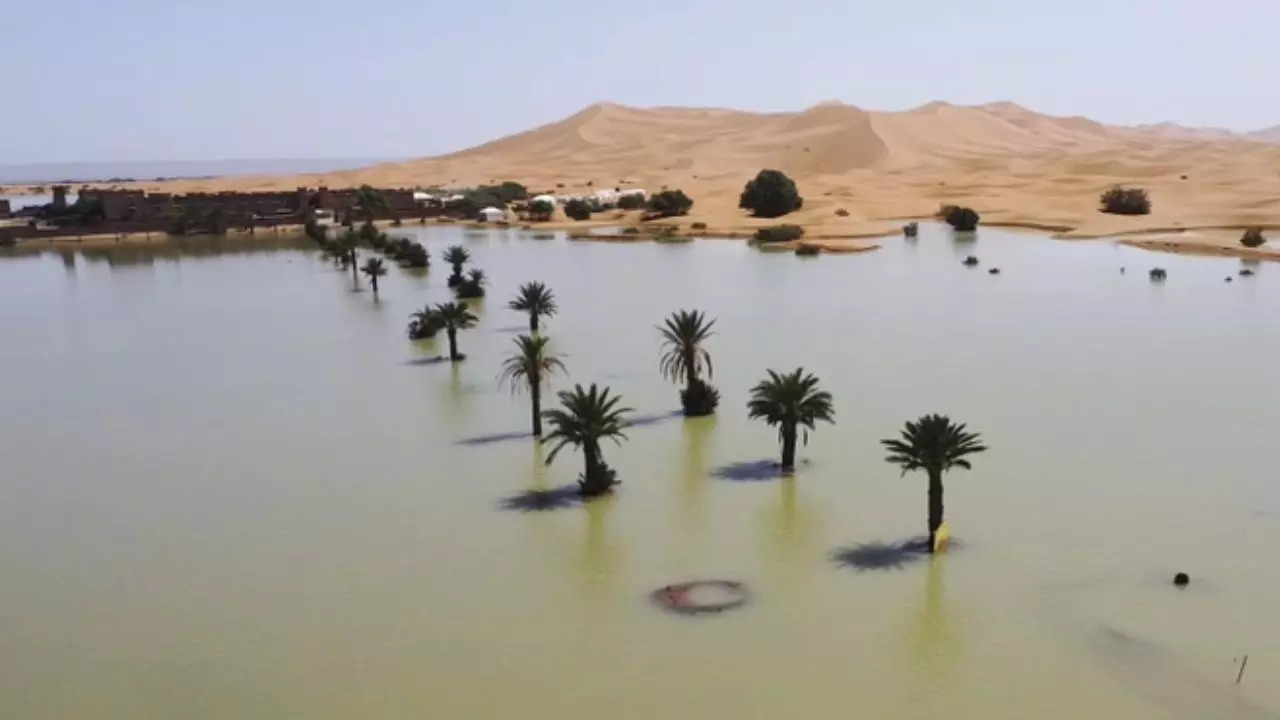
x,y
373,269
933,444
588,416
453,317
537,300
531,364
684,358
371,200
348,242
790,401
457,256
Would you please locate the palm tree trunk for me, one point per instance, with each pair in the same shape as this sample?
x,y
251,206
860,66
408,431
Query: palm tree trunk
x,y
355,270
453,344
535,391
533,322
935,505
789,449
374,281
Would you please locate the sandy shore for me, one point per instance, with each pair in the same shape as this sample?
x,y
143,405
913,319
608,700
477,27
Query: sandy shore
x,y
1016,167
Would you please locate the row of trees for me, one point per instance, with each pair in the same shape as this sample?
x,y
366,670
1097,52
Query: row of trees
x,y
793,402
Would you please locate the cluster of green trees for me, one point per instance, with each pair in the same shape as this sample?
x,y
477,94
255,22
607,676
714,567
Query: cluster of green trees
x,y
475,199
793,402
669,203
469,285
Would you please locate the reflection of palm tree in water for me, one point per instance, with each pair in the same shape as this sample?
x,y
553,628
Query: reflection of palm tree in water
x,y
791,524
599,559
934,645
694,471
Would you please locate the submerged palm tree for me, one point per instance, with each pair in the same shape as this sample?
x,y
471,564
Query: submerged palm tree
x,y
457,256
347,244
790,401
684,358
933,444
453,317
472,287
425,324
537,300
531,364
588,416
373,269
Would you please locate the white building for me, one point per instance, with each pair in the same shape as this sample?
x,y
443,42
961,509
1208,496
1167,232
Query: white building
x,y
493,214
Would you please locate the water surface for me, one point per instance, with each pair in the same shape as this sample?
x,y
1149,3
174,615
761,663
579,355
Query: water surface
x,y
230,490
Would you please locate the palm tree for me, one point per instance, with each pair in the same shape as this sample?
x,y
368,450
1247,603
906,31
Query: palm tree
x,y
370,200
457,256
531,364
588,416
348,242
472,287
453,317
374,269
790,400
424,324
535,299
933,444
684,358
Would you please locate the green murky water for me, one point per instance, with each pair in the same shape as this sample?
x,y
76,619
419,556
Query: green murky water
x,y
227,492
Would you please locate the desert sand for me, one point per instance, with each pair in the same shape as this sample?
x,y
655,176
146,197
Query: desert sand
x,y
1015,166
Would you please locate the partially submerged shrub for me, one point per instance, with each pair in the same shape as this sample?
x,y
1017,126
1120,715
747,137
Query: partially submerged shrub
x,y
962,218
425,325
1157,274
808,250
670,203
770,194
779,233
700,399
971,261
1126,201
1252,238
472,287
577,209
911,229
414,256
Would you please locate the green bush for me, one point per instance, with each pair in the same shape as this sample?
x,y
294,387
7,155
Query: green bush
x,y
1252,238
368,232
699,226
962,218
808,250
779,233
1126,201
670,203
414,256
577,209
771,194
634,201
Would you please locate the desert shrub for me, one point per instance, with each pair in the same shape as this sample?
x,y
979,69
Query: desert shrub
x,y
699,399
808,250
770,194
841,212
633,230
1126,201
962,218
634,201
698,226
670,203
911,229
577,209
779,233
944,210
1252,238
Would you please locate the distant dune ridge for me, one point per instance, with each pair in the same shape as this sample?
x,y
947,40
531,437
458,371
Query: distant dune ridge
x,y
1010,163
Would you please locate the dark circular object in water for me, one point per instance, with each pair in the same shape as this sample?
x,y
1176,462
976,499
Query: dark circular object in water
x,y
678,598
1181,580
993,271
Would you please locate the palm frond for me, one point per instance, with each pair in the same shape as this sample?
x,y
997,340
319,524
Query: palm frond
x,y
933,443
531,360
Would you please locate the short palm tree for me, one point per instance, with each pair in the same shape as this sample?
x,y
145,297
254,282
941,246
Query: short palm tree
x,y
457,256
537,300
530,365
933,444
587,416
347,243
425,324
373,269
455,316
684,358
472,287
790,401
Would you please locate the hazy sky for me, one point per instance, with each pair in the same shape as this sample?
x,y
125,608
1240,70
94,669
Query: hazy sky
x,y
199,79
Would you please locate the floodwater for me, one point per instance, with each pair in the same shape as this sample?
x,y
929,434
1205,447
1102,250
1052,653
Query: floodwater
x,y
229,491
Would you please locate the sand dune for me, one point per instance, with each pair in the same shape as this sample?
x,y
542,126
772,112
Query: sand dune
x,y
1010,163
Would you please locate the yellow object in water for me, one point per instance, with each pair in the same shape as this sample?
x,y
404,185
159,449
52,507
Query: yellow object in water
x,y
940,538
